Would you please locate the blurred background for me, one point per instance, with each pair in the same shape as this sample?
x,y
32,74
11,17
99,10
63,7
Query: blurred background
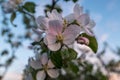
x,y
16,33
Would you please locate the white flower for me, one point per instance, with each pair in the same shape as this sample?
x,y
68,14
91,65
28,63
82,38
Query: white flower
x,y
54,15
83,19
45,65
57,35
43,21
10,6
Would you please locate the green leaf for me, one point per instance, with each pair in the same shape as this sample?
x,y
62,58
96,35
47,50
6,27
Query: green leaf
x,y
56,58
92,42
73,67
29,6
69,54
12,18
72,54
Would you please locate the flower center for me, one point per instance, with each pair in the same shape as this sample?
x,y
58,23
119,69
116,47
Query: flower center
x,y
45,67
59,37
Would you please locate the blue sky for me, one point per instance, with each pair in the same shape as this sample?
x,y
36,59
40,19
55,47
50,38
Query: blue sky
x,y
106,14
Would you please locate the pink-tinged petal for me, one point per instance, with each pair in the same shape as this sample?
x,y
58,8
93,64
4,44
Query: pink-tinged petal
x,y
50,64
54,47
83,40
70,18
83,20
78,10
89,31
56,15
55,26
91,24
35,63
70,34
40,75
44,59
51,38
53,73
42,22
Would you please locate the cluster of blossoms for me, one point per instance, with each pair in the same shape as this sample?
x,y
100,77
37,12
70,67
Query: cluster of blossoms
x,y
59,33
11,5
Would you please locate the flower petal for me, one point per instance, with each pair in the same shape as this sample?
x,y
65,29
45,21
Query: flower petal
x,y
51,38
35,63
50,64
56,15
44,59
40,75
77,10
83,20
53,73
54,47
89,31
55,26
70,34
70,18
42,22
91,24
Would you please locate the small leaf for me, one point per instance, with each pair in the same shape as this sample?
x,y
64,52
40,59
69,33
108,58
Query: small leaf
x,y
72,54
66,0
12,18
56,58
74,1
92,42
5,52
73,67
30,7
69,54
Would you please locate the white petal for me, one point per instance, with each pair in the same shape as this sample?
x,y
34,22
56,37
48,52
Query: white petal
x,y
78,10
89,31
35,63
53,73
51,39
44,59
70,34
70,18
38,31
83,20
42,22
55,26
50,64
56,15
54,47
40,75
91,24
50,16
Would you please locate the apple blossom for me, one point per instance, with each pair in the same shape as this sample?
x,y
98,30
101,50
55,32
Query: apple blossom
x,y
11,5
57,36
82,19
45,65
